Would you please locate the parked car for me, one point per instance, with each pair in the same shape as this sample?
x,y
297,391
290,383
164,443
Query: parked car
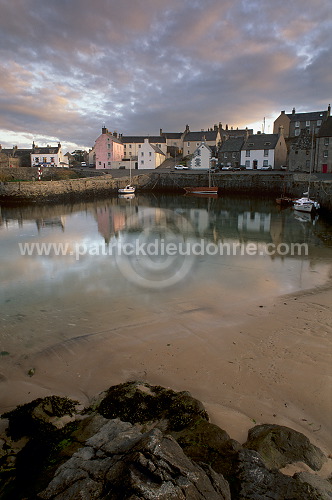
x,y
266,168
226,168
83,164
181,167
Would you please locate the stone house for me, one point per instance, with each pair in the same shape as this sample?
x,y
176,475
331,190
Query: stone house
x,y
229,154
323,156
264,150
294,122
49,156
192,140
201,158
108,148
14,157
150,156
301,152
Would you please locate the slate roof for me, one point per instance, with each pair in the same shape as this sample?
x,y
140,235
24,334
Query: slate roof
x,y
140,139
172,135
157,150
261,141
233,144
45,151
237,132
326,128
15,153
312,116
210,135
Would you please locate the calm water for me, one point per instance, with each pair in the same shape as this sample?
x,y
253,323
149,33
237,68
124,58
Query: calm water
x,y
125,260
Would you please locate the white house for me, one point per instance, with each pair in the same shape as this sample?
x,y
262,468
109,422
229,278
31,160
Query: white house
x,y
133,145
201,158
49,156
150,156
264,150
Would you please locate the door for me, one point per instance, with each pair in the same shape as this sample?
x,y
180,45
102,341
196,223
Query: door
x,y
254,163
324,168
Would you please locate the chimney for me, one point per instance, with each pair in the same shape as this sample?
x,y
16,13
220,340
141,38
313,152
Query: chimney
x,y
283,112
329,110
161,132
226,126
187,129
293,111
104,130
0,147
115,134
216,128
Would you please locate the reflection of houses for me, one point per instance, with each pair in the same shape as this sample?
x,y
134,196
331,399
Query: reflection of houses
x,y
254,222
52,222
264,150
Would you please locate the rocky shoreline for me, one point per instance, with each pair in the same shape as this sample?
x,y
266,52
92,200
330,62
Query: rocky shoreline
x,y
138,441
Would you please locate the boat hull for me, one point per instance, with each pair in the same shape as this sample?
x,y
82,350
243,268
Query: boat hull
x,y
305,205
126,190
201,190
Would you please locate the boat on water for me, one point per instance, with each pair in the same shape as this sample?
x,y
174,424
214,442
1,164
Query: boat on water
x,y
305,204
210,190
284,201
127,190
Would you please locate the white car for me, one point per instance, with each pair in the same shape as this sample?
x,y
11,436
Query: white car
x,y
266,168
180,167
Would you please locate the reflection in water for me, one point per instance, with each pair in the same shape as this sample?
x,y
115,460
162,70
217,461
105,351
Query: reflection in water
x,y
55,296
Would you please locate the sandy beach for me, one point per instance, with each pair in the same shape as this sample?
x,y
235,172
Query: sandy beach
x,y
271,363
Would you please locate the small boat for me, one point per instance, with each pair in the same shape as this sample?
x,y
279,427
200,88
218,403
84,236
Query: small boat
x,y
127,190
305,204
203,190
284,200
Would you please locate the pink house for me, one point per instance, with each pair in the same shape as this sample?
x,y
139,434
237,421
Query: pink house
x,y
108,147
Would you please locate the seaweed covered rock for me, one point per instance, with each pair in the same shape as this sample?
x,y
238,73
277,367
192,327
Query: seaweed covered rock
x,y
120,463
40,416
141,402
279,446
206,442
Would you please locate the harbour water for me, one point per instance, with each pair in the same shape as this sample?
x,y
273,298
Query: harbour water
x,y
65,269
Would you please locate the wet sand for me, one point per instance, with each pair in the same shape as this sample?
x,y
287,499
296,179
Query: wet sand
x,y
269,362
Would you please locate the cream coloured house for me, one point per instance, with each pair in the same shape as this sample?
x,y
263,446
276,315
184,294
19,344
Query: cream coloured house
x,y
149,156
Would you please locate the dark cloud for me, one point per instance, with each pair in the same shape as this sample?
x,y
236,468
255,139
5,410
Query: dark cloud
x,y
67,67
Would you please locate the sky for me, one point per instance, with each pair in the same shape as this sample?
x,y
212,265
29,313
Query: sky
x,y
68,67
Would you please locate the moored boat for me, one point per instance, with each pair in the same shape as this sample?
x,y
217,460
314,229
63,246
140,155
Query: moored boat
x,y
127,190
202,190
305,204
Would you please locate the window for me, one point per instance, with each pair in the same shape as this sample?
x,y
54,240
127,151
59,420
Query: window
x,y
319,122
108,146
139,145
142,153
266,152
44,159
108,155
248,153
307,163
297,124
37,159
265,163
99,163
197,162
326,141
125,146
267,144
247,163
188,144
325,153
197,143
52,159
225,155
233,155
150,154
307,123
297,131
109,163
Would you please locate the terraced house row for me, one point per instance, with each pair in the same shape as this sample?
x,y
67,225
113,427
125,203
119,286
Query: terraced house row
x,y
299,142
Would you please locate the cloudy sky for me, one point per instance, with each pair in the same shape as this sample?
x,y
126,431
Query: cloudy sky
x,y
67,67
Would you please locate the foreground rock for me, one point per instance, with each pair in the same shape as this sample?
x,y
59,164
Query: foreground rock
x,y
139,442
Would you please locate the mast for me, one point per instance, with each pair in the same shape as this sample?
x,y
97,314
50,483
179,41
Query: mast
x,y
311,156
